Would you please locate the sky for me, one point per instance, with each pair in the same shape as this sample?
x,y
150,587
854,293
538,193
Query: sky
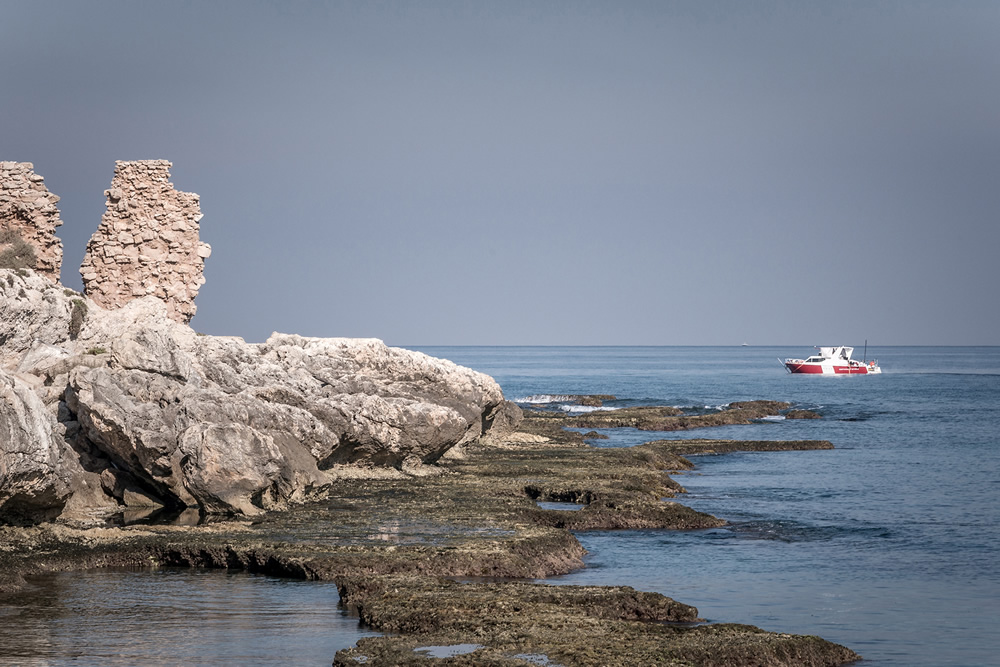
x,y
541,173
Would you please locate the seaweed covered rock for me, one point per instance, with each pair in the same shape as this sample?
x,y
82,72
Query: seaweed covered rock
x,y
668,418
520,623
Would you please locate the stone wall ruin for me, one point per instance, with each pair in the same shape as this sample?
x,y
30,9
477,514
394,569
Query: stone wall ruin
x,y
28,221
147,242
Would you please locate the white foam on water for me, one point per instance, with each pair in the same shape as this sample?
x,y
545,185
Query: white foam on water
x,y
540,399
584,408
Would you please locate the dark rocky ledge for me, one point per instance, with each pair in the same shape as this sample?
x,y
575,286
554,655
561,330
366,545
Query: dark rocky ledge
x,y
396,543
689,447
669,418
585,625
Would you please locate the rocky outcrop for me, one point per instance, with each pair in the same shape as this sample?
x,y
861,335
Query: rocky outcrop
x,y
32,308
111,401
147,243
167,417
28,220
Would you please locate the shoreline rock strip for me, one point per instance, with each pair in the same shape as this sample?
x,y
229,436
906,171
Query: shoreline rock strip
x,y
395,547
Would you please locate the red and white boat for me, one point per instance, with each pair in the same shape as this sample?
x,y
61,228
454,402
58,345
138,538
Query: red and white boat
x,y
832,361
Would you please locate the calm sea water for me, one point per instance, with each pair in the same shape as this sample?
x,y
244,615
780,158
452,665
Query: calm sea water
x,y
887,544
173,616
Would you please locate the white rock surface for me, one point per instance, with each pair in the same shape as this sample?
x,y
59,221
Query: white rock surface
x,y
33,480
224,425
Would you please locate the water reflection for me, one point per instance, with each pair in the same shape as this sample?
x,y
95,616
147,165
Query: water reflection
x,y
559,506
173,616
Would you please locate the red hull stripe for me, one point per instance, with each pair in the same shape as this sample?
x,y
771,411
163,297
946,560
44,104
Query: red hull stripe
x,y
805,368
818,369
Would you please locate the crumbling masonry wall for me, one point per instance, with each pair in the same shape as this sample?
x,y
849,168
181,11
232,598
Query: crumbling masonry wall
x,y
28,221
147,242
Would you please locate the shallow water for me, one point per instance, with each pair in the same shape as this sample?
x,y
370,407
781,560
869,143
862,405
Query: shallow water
x,y
173,616
558,505
887,544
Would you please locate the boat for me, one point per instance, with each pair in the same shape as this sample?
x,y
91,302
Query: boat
x,y
832,361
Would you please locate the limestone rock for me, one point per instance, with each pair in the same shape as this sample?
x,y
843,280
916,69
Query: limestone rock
x,y
32,308
33,479
147,242
28,220
216,423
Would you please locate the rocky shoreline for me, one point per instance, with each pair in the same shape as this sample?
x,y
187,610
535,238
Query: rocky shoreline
x,y
128,439
398,543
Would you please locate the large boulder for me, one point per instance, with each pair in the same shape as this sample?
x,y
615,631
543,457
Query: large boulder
x,y
33,478
180,419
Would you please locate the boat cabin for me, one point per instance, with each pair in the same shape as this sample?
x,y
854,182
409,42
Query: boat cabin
x,y
841,352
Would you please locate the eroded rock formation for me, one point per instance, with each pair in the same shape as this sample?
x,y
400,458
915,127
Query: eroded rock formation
x,y
155,414
147,243
28,220
108,400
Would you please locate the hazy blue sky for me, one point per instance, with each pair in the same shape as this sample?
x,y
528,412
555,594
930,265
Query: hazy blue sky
x,y
541,172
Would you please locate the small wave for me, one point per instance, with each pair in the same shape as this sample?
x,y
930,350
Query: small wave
x,y
540,399
793,531
772,418
584,408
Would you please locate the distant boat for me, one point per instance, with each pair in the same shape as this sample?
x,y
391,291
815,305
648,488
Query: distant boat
x,y
832,361
745,345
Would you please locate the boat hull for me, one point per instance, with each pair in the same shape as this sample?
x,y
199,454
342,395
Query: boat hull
x,y
829,369
824,369
832,360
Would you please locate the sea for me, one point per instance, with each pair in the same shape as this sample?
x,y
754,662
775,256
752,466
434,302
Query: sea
x,y
888,543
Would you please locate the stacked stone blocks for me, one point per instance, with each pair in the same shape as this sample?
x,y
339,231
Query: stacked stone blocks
x,y
147,242
28,215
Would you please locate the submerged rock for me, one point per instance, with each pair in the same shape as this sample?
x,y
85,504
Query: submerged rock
x,y
802,414
668,418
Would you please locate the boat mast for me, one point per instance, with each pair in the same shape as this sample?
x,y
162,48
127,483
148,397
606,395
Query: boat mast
x,y
866,351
